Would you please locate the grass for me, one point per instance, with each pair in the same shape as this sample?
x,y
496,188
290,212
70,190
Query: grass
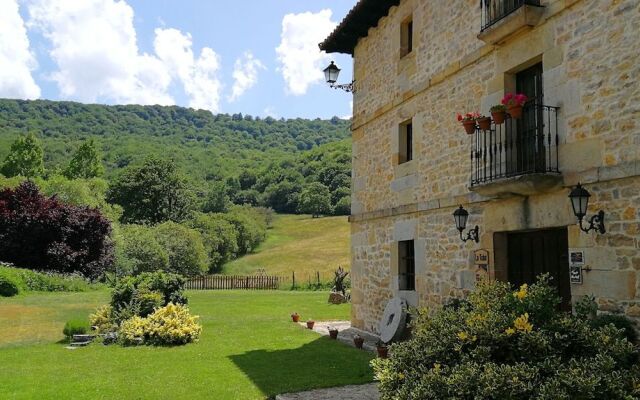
x,y
249,349
299,243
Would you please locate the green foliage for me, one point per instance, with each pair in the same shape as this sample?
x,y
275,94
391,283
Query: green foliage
x,y
624,325
219,236
167,326
8,286
30,280
187,255
25,158
343,206
217,200
315,199
152,193
85,163
138,250
103,319
282,196
250,225
75,327
509,345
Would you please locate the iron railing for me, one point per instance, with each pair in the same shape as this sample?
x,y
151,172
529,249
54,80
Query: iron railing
x,y
517,147
495,10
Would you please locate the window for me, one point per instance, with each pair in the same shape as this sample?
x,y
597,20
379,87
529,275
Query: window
x,y
406,37
406,142
406,265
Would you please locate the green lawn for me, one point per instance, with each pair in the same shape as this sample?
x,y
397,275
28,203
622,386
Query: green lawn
x,y
249,349
299,243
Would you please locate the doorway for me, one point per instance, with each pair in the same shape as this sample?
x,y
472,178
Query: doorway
x,y
533,253
530,138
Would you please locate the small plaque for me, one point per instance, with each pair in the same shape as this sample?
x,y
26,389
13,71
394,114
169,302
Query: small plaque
x,y
481,258
576,257
575,274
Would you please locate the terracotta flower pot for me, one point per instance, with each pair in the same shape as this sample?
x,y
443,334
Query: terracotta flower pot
x,y
333,334
383,351
498,117
310,324
469,126
484,123
295,317
358,341
515,111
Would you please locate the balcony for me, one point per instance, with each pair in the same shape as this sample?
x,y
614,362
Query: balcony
x,y
502,19
519,156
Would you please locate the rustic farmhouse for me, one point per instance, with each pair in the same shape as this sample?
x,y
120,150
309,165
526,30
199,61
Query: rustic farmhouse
x,y
417,64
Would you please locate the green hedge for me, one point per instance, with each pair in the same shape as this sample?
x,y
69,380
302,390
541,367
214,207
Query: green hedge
x,y
28,280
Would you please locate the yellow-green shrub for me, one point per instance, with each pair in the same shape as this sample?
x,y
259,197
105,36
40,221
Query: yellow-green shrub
x,y
103,319
133,330
169,325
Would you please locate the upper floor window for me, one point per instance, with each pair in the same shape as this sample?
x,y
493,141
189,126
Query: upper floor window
x,y
406,37
406,142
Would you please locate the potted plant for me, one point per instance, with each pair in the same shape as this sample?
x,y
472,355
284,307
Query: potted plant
x,y
333,332
469,122
514,103
295,317
358,341
310,324
383,350
498,113
484,122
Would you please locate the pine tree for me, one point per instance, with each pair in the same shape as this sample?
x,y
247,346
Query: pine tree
x,y
85,162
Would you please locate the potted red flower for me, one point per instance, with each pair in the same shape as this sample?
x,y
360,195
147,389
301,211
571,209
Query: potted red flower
x,y
295,317
310,324
498,113
358,341
484,123
383,350
333,332
514,103
469,121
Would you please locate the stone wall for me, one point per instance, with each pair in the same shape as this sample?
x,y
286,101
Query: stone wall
x,y
591,64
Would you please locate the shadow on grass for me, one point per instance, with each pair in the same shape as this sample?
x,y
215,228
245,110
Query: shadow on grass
x,y
318,364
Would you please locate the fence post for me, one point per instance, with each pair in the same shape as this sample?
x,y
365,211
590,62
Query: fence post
x,y
293,285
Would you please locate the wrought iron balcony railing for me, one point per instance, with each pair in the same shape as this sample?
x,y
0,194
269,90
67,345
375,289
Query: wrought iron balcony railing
x,y
517,147
495,10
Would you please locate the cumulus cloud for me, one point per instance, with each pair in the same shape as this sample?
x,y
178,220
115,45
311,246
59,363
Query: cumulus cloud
x,y
199,76
16,60
301,60
245,74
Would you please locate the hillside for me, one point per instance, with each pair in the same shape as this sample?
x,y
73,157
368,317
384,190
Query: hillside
x,y
299,243
206,146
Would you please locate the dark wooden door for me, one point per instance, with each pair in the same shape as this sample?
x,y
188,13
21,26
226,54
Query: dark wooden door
x,y
531,254
530,139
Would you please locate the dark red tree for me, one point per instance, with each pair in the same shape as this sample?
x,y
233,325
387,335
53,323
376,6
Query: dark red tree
x,y
42,233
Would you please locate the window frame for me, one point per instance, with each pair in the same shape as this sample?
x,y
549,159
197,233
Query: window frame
x,y
407,265
406,37
405,142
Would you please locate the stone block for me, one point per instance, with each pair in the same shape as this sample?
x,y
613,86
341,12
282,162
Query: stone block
x,y
403,183
552,58
616,285
580,155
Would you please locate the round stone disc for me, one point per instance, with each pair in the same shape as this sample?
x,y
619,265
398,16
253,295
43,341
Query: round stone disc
x,y
393,320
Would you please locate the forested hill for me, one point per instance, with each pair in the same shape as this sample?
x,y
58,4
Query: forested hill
x,y
204,145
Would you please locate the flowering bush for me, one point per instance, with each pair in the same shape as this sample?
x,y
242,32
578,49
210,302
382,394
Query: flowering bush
x,y
169,325
506,345
470,116
514,100
103,319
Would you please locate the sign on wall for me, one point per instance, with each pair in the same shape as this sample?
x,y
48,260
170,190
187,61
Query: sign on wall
x,y
481,257
576,262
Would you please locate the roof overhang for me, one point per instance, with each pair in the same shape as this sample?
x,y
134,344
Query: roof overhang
x,y
364,15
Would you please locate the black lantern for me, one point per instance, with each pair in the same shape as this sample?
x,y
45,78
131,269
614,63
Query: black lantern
x,y
580,201
331,74
461,215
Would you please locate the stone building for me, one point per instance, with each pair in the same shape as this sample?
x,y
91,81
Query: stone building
x,y
417,64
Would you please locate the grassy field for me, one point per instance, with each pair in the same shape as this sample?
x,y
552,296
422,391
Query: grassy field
x,y
299,243
249,349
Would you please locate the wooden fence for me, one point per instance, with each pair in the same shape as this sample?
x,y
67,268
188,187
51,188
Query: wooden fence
x,y
227,282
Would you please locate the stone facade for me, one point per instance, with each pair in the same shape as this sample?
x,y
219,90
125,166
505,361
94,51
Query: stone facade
x,y
588,50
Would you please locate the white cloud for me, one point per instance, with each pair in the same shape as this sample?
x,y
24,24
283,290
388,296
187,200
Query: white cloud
x,y
95,49
245,74
16,60
301,59
199,76
270,112
351,111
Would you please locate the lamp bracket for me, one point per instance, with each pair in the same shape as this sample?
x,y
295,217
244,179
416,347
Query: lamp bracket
x,y
473,234
347,87
596,222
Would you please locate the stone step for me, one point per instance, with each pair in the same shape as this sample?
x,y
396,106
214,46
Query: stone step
x,y
83,338
79,344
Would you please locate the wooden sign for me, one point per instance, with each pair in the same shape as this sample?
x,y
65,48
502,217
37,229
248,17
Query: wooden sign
x,y
481,258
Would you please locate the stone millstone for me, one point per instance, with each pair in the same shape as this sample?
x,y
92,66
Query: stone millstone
x,y
393,320
337,298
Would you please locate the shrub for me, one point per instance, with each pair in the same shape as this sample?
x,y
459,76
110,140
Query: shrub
x,y
184,247
103,319
8,287
250,225
620,322
75,327
147,301
219,236
169,325
508,345
138,251
46,281
37,232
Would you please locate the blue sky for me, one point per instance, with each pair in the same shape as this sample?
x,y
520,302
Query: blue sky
x,y
257,57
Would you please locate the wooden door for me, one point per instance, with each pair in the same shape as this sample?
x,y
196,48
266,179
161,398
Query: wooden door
x,y
531,254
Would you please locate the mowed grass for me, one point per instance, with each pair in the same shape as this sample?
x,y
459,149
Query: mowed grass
x,y
249,349
299,243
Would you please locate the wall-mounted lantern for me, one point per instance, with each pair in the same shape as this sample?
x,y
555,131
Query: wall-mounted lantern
x,y
461,215
580,201
331,74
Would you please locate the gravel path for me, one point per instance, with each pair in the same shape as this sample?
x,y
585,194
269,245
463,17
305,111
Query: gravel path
x,y
353,392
